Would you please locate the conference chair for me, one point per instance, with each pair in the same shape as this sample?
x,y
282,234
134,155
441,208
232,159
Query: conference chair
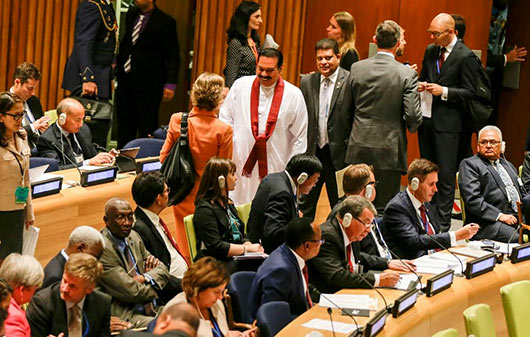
x,y
244,212
272,317
190,236
53,164
462,205
161,133
516,303
479,321
149,147
446,333
238,290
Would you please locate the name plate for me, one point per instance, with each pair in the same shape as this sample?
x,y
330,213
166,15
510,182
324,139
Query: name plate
x,y
98,176
480,266
46,187
520,253
148,165
404,302
376,324
439,283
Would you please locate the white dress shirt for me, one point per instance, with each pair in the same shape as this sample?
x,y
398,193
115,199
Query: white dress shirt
x,y
352,256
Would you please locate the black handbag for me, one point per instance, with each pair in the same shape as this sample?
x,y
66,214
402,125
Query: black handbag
x,y
178,166
98,116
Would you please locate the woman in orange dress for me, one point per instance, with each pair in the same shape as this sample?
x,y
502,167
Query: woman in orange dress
x,y
208,137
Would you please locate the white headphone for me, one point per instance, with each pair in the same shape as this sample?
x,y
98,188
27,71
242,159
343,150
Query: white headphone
x,y
302,178
368,191
62,119
222,181
346,220
414,183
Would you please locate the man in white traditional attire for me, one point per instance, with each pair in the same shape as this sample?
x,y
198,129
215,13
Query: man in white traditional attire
x,y
269,118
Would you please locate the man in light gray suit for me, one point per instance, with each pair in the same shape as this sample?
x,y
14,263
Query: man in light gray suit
x,y
386,102
327,95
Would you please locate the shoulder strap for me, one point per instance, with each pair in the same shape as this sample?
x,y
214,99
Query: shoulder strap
x,y
184,128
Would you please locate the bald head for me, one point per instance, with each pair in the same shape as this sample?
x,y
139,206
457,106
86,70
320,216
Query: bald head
x,y
444,19
442,29
119,217
180,317
114,203
74,114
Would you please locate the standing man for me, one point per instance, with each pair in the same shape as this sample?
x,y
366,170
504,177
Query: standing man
x,y
386,99
327,95
147,69
88,69
26,80
269,118
447,74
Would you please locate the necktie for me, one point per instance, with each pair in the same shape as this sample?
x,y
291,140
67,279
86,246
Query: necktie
x,y
133,271
441,59
510,188
306,278
74,323
323,113
425,221
134,38
73,144
170,237
348,256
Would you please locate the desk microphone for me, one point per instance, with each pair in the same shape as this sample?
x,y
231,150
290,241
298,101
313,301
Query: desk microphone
x,y
331,320
357,332
99,147
456,257
408,267
67,158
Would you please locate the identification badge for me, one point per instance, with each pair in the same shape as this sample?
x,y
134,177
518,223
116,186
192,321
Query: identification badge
x,y
21,195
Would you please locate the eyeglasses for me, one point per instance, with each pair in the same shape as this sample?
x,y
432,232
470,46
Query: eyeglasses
x,y
320,242
122,217
369,225
437,34
375,183
16,117
489,142
167,190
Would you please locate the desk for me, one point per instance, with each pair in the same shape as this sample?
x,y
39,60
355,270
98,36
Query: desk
x,y
430,314
58,214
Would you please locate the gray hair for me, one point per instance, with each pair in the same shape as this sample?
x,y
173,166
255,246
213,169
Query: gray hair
x,y
355,205
387,34
87,235
490,128
22,270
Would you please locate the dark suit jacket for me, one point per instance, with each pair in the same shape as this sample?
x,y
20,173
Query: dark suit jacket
x,y
272,208
155,56
329,271
53,271
94,46
386,102
174,333
484,192
458,76
404,232
53,135
154,243
47,314
340,116
36,110
278,279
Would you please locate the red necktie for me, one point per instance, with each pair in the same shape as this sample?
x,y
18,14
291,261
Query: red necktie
x,y
441,59
306,278
348,256
173,242
423,215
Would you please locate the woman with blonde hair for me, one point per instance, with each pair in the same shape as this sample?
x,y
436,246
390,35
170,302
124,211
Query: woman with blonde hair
x,y
342,29
207,137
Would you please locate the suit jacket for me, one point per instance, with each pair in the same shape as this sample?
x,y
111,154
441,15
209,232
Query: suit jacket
x,y
272,208
173,333
153,241
386,101
16,323
340,116
458,76
94,46
329,270
47,314
484,192
53,135
155,56
278,279
36,110
53,271
127,293
404,232
240,61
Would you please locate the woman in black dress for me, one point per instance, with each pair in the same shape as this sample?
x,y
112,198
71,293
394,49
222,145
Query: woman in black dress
x,y
342,29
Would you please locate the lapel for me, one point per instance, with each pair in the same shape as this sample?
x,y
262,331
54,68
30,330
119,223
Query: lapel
x,y
142,216
122,258
148,26
495,175
453,56
315,87
356,248
412,212
60,317
135,250
63,143
221,214
338,234
336,90
294,263
85,320
18,148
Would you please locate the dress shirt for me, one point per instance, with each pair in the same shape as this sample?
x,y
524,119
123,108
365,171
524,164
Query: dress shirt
x,y
352,257
80,305
293,184
63,253
323,115
178,265
448,50
265,100
301,265
387,53
66,134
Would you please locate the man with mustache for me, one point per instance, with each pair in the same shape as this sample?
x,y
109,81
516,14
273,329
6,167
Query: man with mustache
x,y
269,118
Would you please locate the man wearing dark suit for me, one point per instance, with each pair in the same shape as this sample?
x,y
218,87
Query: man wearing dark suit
x,y
88,70
83,239
283,275
276,201
72,307
147,69
327,95
410,224
385,95
150,192
447,73
340,262
71,137
491,188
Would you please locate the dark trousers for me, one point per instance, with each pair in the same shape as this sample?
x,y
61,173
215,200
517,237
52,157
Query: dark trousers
x,y
387,188
137,112
308,204
442,149
11,230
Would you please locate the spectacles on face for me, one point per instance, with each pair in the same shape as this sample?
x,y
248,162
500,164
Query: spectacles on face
x,y
437,34
320,242
122,217
489,142
367,225
16,117
167,190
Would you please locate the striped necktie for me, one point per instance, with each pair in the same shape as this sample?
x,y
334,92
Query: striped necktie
x,y
135,34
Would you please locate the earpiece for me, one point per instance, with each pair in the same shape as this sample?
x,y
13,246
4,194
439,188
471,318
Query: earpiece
x,y
503,146
346,220
414,183
302,178
222,181
62,119
195,292
368,191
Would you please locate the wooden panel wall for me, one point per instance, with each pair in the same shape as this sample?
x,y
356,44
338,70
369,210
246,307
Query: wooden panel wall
x,y
283,19
40,32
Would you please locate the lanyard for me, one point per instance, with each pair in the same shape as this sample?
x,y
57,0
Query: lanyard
x,y
215,329
19,165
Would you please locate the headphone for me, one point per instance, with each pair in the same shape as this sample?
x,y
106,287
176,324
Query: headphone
x,y
302,178
222,181
414,183
346,220
503,147
62,119
368,191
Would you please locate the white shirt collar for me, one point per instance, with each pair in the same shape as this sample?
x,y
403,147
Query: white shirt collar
x,y
344,236
451,45
332,77
415,202
63,253
386,53
293,185
80,304
64,132
301,262
154,218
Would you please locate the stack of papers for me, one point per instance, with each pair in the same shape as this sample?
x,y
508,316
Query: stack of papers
x,y
322,324
469,251
251,256
408,281
347,301
438,263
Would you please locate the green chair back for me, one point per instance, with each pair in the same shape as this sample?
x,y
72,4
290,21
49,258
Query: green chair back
x,y
446,333
479,321
244,213
190,236
462,206
516,302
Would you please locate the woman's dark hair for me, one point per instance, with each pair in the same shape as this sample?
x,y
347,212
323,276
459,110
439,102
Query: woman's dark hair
x,y
7,101
239,23
209,187
203,274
